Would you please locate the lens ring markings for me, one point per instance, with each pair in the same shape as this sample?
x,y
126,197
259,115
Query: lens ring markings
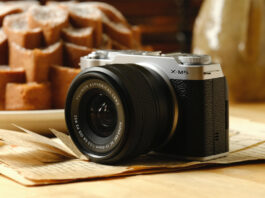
x,y
87,137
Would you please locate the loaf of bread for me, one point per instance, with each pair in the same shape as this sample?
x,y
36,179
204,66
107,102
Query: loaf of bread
x,y
8,75
17,30
86,16
7,10
30,96
36,62
51,19
3,48
80,36
34,37
73,53
61,78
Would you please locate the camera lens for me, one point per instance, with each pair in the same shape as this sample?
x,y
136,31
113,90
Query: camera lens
x,y
102,115
116,112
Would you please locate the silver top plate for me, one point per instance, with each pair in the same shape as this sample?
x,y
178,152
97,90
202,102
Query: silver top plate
x,y
175,65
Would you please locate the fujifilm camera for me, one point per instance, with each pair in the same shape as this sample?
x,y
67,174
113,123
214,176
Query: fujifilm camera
x,y
127,103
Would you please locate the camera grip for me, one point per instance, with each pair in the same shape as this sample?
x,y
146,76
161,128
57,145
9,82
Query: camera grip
x,y
202,128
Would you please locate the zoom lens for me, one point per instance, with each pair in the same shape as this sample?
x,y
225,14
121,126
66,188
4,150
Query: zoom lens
x,y
117,112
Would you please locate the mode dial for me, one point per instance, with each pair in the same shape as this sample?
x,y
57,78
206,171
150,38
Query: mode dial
x,y
191,59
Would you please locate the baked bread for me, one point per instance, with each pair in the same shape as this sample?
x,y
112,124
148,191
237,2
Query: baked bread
x,y
87,16
51,19
17,30
137,36
111,12
114,24
80,36
7,10
23,5
62,4
3,48
118,32
61,78
73,53
8,75
30,96
118,46
34,45
106,42
36,62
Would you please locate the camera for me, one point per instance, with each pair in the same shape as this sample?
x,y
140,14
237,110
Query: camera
x,y
127,103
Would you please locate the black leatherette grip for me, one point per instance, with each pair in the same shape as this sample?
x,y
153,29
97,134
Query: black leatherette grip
x,y
202,123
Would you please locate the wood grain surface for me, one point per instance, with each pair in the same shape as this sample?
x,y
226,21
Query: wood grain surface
x,y
244,180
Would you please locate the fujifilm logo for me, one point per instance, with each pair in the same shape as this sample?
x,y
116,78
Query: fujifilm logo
x,y
181,72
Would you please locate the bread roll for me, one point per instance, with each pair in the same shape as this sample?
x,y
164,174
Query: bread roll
x,y
7,10
3,48
8,75
17,30
51,19
80,36
61,78
87,16
30,96
73,53
36,62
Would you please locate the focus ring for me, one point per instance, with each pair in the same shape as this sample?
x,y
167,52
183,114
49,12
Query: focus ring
x,y
142,106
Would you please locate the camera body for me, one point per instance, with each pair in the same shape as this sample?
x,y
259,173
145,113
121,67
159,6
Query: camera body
x,y
193,112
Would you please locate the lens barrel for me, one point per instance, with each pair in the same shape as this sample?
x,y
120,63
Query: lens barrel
x,y
116,112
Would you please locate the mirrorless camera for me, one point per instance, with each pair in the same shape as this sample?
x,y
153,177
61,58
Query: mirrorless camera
x,y
127,103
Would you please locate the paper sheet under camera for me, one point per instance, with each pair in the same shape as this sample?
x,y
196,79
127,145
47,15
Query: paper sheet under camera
x,y
31,159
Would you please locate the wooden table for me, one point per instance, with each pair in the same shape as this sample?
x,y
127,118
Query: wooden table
x,y
245,180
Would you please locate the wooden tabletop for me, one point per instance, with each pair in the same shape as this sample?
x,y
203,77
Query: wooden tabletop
x,y
244,180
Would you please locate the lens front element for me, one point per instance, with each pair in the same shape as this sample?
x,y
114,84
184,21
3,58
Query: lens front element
x,y
97,117
102,116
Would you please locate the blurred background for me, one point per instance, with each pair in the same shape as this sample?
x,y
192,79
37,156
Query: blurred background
x,y
166,24
232,32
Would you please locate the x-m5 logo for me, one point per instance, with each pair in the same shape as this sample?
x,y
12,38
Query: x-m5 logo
x,y
176,71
